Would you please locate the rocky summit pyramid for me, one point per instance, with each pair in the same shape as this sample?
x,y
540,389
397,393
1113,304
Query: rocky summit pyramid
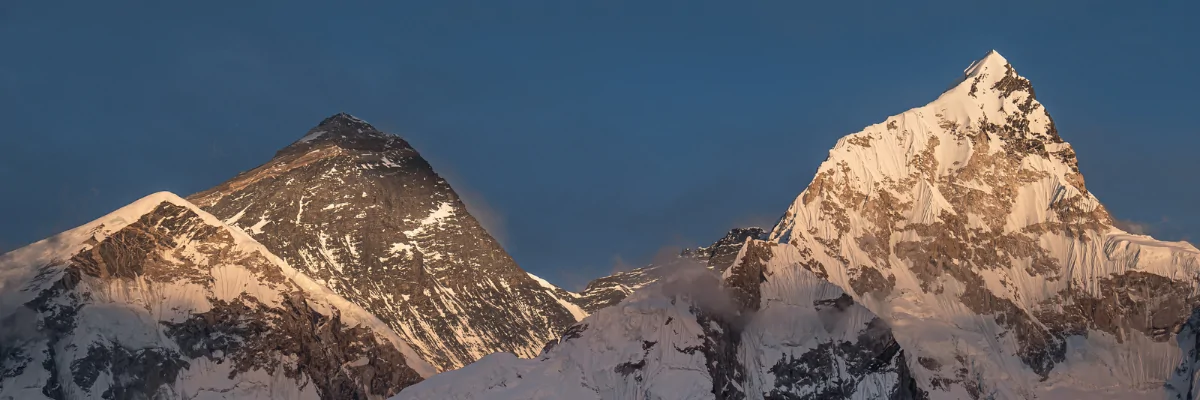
x,y
162,300
952,251
363,213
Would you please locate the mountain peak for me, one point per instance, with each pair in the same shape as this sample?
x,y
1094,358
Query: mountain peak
x,y
992,77
992,60
344,119
362,211
339,125
345,131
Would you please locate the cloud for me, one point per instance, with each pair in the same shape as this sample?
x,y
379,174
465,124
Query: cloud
x,y
492,220
755,220
667,255
573,279
691,279
1166,228
1134,227
619,265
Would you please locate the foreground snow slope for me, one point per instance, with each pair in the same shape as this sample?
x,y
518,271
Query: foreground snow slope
x,y
966,225
161,300
690,336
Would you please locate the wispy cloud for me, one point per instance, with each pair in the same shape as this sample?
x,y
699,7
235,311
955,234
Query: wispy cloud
x,y
620,265
493,220
1134,227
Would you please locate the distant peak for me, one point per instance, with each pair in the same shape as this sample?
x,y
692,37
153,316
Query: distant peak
x,y
991,76
348,132
340,125
992,60
344,119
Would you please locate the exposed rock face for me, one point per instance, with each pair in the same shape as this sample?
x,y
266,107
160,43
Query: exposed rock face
x,y
610,290
361,212
722,253
689,335
162,300
966,225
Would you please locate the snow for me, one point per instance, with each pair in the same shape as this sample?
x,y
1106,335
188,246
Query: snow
x,y
334,206
314,134
234,219
397,248
554,291
929,324
129,311
584,368
436,219
443,211
649,328
256,229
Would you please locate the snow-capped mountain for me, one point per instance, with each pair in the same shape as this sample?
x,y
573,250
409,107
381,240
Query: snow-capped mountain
x,y
770,331
363,213
962,228
967,226
162,300
610,290
721,254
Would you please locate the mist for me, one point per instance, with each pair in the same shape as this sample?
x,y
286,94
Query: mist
x,y
690,279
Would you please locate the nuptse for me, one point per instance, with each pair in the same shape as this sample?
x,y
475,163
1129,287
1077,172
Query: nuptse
x,y
951,251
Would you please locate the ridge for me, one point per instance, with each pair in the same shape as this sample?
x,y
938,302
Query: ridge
x,y
200,286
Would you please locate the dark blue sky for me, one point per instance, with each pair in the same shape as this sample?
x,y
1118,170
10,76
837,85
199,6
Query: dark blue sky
x,y
584,133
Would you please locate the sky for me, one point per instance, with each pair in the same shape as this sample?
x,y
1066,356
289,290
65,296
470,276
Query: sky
x,y
586,135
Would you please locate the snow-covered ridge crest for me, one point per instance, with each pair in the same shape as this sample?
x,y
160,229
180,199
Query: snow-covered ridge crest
x,y
693,335
967,225
161,299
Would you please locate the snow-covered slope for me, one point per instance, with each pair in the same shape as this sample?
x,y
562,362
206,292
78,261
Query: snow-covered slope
x,y
161,300
771,331
362,212
967,226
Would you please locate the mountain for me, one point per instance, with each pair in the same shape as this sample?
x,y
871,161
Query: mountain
x,y
967,225
162,300
610,290
721,254
363,213
963,229
771,330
